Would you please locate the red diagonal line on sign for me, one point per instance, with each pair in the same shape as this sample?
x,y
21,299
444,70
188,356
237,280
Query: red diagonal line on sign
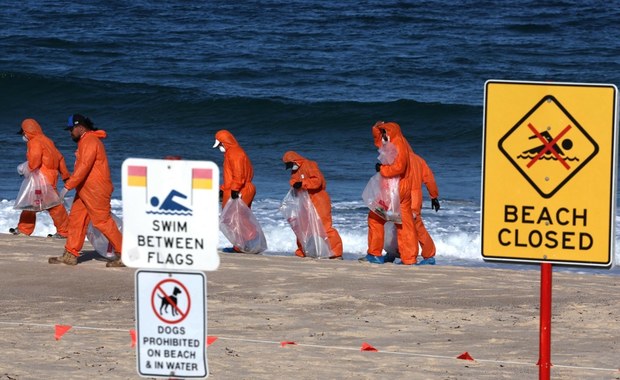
x,y
170,301
548,146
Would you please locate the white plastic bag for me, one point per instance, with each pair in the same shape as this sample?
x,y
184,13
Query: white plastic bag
x,y
35,193
98,240
241,227
381,194
300,213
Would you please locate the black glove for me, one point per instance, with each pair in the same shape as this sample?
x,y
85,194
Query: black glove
x,y
378,166
435,204
221,195
234,194
297,185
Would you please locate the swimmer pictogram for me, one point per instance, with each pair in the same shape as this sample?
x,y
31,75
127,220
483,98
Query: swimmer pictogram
x,y
170,205
548,146
549,150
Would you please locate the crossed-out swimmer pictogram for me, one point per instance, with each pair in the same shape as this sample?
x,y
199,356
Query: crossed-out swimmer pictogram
x,y
549,146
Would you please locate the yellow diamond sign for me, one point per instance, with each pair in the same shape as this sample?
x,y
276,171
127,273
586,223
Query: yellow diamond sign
x,y
549,173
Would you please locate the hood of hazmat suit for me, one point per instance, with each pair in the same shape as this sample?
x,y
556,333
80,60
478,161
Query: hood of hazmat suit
x,y
238,171
42,153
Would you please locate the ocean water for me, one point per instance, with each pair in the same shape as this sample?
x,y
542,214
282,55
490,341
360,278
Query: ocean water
x,y
310,76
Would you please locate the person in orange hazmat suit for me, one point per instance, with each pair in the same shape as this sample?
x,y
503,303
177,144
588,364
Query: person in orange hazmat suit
x,y
238,170
238,175
305,174
42,154
93,192
423,175
401,168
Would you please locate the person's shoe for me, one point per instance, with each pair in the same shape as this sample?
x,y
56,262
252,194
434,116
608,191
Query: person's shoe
x,y
116,263
335,257
429,261
15,231
66,258
390,257
373,259
231,250
56,236
299,253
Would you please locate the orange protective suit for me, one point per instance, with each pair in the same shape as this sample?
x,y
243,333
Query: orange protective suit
x,y
422,175
238,170
42,154
93,192
312,180
399,168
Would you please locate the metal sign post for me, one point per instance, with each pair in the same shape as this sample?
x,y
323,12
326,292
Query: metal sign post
x,y
544,357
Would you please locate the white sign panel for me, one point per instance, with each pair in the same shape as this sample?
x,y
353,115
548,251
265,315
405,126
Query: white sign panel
x,y
170,214
171,324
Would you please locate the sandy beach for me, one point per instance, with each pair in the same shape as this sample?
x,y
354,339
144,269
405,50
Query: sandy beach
x,y
419,319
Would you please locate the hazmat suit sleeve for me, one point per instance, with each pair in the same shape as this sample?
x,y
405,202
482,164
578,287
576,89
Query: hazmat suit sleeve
x,y
62,166
238,169
429,180
398,167
34,155
86,156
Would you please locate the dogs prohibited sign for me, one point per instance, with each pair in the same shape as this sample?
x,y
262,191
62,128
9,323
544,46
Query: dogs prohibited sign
x,y
171,324
549,173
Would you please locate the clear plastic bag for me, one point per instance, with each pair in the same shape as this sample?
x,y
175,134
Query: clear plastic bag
x,y
98,240
23,169
241,227
298,210
390,239
381,194
35,193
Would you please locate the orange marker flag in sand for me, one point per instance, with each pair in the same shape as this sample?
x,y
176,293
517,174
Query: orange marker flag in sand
x,y
210,340
465,356
132,333
60,331
368,347
286,343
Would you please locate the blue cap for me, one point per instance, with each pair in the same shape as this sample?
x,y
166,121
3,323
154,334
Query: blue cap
x,y
77,119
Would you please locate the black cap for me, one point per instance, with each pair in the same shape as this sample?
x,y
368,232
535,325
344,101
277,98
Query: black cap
x,y
77,119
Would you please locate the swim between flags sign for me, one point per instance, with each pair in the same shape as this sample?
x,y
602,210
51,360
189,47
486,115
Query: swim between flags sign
x,y
170,214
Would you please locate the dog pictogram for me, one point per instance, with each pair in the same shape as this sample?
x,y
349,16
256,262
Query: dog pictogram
x,y
169,301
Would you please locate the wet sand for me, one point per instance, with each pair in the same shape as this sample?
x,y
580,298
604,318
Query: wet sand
x,y
420,319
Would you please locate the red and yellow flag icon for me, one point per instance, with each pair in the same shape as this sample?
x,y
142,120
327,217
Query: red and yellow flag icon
x,y
202,179
136,176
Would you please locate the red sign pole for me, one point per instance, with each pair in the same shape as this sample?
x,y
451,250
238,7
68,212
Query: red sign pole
x,y
544,358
